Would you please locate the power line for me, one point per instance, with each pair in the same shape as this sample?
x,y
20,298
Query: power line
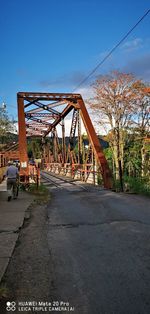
x,y
112,50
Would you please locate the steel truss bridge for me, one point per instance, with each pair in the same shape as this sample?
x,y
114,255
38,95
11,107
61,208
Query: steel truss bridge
x,y
39,115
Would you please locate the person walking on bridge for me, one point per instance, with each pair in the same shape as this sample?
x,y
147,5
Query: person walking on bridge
x,y
12,175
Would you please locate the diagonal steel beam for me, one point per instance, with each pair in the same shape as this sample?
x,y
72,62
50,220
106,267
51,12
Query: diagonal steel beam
x,y
51,105
39,121
97,148
45,107
58,120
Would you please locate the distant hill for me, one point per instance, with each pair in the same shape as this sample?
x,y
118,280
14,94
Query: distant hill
x,y
13,138
103,143
10,138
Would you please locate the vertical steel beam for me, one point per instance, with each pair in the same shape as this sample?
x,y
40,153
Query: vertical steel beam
x,y
55,145
22,137
79,137
63,142
93,166
98,151
44,150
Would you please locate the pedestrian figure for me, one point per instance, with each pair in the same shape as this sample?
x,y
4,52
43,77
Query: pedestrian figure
x,y
12,175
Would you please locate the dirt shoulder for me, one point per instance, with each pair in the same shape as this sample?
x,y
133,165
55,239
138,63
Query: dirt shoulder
x,y
29,274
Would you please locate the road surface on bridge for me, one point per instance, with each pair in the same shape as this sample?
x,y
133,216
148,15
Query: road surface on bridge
x,y
92,249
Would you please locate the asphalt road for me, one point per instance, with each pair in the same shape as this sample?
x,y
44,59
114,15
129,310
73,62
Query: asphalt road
x,y
87,247
100,245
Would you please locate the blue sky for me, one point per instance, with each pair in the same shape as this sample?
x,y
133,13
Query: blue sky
x,y
51,45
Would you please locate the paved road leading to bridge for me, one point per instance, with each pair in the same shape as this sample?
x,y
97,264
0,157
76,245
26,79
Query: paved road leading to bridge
x,y
88,247
100,245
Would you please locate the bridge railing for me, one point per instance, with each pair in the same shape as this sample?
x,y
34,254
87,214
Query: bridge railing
x,y
34,174
3,163
2,171
84,172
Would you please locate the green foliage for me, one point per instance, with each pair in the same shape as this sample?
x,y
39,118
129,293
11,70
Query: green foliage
x,y
137,185
99,180
132,156
34,148
132,180
116,185
109,156
33,188
6,125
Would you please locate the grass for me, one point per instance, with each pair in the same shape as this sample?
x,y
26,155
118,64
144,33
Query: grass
x,y
41,193
4,292
41,189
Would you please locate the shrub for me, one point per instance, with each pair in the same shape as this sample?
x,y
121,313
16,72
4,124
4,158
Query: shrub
x,y
138,185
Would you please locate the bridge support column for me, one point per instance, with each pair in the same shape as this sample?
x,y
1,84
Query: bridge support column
x,y
63,142
22,138
79,137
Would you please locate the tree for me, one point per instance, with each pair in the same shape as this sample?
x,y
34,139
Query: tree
x,y
6,125
114,103
36,148
142,117
132,156
141,121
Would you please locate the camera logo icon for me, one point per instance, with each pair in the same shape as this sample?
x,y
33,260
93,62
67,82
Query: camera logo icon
x,y
11,306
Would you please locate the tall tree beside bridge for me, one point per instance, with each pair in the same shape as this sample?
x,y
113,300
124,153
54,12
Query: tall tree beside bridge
x,y
6,125
114,105
142,122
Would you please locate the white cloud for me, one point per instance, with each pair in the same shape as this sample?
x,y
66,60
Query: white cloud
x,y
15,128
68,127
131,45
86,92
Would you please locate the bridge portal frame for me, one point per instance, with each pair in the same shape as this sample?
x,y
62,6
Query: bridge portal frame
x,y
72,101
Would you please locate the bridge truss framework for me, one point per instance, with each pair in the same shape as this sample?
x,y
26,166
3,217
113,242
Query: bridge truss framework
x,y
39,114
